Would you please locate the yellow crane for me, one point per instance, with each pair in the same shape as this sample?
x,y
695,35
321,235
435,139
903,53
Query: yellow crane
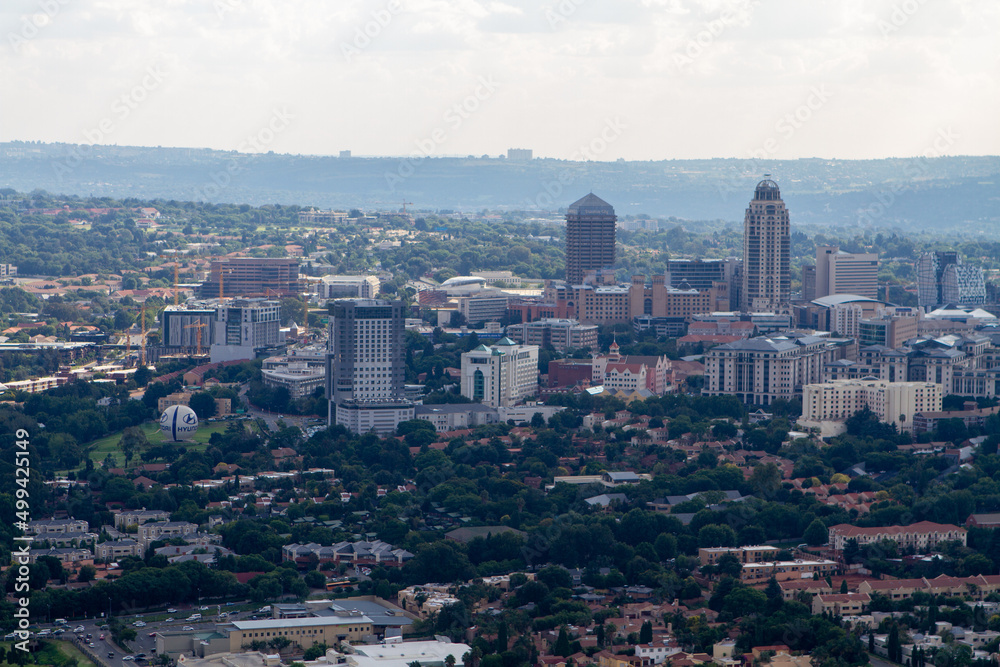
x,y
142,352
199,326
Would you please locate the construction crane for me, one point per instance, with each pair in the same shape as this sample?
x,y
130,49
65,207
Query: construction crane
x,y
142,352
404,206
199,326
175,283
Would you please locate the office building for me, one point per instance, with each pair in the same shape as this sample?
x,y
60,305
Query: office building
x,y
930,274
245,328
349,287
301,632
942,279
519,153
590,237
808,282
365,366
702,274
252,277
887,330
759,371
180,327
766,250
892,402
839,272
559,334
484,306
325,217
963,285
500,375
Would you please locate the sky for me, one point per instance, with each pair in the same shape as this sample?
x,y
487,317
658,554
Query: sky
x,y
569,79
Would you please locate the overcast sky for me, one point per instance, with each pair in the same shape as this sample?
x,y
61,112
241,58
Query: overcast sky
x,y
597,79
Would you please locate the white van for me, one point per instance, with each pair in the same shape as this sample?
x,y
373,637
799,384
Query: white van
x,y
194,617
61,621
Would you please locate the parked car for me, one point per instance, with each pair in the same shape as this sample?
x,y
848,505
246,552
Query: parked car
x,y
128,657
79,628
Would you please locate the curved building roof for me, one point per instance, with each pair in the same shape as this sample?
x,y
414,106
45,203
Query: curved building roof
x,y
463,280
836,299
767,190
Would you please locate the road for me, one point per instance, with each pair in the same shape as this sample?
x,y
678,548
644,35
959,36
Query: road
x,y
272,418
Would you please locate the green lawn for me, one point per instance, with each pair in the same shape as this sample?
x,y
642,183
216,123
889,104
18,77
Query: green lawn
x,y
99,449
56,653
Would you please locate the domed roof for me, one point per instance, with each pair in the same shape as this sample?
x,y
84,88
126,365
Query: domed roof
x,y
767,190
591,205
463,280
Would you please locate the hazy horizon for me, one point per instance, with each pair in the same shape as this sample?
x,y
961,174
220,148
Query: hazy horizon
x,y
569,79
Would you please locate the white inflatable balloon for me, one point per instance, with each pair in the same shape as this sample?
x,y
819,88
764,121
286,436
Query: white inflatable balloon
x,y
178,423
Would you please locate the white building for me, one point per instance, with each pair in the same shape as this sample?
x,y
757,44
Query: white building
x,y
893,402
366,368
349,287
243,327
761,370
839,272
483,306
503,374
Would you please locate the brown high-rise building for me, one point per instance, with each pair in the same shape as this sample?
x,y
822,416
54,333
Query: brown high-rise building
x,y
252,276
590,237
767,279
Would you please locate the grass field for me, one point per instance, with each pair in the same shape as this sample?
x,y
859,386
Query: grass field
x,y
99,449
57,654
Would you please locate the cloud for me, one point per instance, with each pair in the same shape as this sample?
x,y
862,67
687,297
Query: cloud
x,y
694,79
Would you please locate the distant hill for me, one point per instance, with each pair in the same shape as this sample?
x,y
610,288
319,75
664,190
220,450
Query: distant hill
x,y
949,193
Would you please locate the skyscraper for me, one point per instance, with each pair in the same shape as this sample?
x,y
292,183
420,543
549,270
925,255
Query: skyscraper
x,y
365,367
590,237
943,279
839,272
766,250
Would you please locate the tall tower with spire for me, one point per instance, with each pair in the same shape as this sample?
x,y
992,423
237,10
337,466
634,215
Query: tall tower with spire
x,y
766,250
590,237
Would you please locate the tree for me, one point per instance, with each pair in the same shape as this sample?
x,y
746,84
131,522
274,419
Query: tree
x,y
203,404
502,639
133,440
449,660
87,573
843,586
816,534
893,645
315,579
315,651
143,375
562,643
646,633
